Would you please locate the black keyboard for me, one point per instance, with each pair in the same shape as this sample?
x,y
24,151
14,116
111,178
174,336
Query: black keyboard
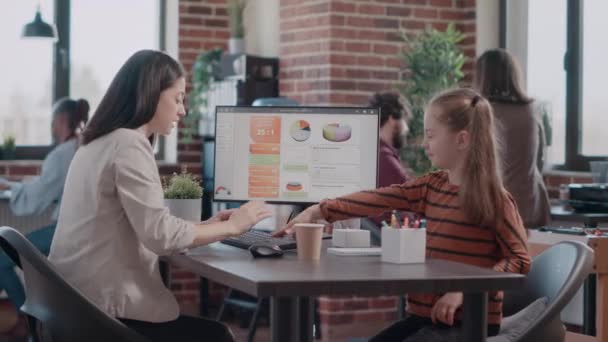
x,y
262,237
258,237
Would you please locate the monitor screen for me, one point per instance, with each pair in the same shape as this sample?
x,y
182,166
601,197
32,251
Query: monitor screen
x,y
294,154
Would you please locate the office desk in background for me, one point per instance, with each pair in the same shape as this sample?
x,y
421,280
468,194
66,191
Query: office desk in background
x,y
570,217
290,283
24,224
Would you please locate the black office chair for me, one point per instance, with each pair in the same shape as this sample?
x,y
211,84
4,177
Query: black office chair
x,y
556,274
56,311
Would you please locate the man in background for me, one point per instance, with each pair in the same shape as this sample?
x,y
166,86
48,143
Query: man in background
x,y
394,115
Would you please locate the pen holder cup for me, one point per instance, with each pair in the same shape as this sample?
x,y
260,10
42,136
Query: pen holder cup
x,y
404,245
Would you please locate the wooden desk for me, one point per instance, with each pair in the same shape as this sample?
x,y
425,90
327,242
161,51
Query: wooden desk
x,y
290,283
539,241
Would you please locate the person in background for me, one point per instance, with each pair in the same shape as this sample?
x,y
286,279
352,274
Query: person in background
x,y
34,197
394,115
470,217
113,224
520,130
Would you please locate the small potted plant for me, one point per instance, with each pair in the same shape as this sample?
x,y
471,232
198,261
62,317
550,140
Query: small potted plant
x,y
183,195
8,148
236,44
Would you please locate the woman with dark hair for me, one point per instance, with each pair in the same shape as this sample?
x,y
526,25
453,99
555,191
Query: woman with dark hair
x,y
520,130
113,224
34,197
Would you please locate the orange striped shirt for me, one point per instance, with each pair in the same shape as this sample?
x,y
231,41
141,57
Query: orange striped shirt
x,y
450,235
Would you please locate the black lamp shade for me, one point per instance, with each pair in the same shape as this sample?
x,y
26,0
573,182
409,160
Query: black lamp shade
x,y
38,28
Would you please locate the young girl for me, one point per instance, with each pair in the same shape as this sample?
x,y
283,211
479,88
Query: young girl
x,y
470,217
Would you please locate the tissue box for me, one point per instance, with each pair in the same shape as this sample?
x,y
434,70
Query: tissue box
x,y
350,238
404,245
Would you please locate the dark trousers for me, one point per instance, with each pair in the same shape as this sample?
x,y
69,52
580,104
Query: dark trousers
x,y
423,329
183,329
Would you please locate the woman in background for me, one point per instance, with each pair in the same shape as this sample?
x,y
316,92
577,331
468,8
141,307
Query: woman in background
x,y
520,130
34,197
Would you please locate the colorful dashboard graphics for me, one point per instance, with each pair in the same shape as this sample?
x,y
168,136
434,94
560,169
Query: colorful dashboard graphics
x,y
294,186
300,130
337,132
222,190
264,157
265,129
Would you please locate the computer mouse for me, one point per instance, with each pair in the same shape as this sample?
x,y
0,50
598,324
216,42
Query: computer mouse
x,y
265,251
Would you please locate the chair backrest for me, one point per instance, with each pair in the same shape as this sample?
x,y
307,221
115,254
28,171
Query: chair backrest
x,y
557,274
60,310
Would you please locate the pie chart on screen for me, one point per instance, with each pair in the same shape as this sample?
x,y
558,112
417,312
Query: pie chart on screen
x,y
294,186
336,132
300,130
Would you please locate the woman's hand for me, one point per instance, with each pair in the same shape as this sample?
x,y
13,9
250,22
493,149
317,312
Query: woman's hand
x,y
310,215
445,308
221,216
247,215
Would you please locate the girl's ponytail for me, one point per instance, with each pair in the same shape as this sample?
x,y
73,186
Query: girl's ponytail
x,y
481,193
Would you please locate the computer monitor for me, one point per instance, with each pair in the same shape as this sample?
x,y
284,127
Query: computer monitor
x,y
294,154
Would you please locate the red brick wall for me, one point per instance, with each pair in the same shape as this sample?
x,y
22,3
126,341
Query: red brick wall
x,y
203,25
339,52
16,170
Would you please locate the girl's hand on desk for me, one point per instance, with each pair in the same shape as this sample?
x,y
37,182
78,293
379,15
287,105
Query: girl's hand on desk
x,y
221,216
247,215
310,215
445,308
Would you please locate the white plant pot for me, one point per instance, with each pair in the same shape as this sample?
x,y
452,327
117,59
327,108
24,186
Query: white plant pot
x,y
236,45
187,209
